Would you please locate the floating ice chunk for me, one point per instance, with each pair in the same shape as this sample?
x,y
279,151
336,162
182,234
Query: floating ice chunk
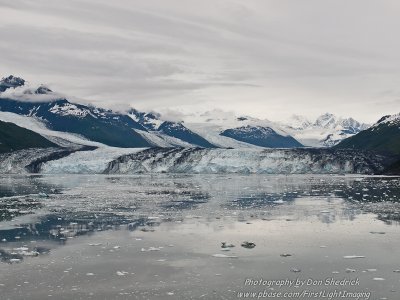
x,y
396,271
29,253
122,273
224,256
24,251
353,256
377,232
295,270
95,244
21,249
225,245
285,255
378,279
248,245
15,260
170,293
89,274
280,201
350,270
151,249
371,270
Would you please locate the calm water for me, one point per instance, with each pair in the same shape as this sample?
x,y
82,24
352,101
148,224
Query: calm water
x,y
160,237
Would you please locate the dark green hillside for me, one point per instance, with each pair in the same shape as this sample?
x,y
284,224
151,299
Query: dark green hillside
x,y
13,137
95,124
383,138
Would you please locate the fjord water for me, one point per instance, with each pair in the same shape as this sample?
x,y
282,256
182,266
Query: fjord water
x,y
160,236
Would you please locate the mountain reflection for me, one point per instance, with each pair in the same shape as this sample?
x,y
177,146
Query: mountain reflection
x,y
42,213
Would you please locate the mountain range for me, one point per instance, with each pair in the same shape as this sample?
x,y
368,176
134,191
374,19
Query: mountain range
x,y
60,121
326,130
129,129
381,137
38,126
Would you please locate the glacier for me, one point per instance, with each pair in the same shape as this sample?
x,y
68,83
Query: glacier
x,y
109,160
86,162
248,161
30,160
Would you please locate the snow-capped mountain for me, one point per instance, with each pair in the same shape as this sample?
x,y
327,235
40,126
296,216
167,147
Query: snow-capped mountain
x,y
383,137
261,136
149,129
325,131
389,120
129,130
11,82
298,122
92,123
227,130
86,139
153,123
150,121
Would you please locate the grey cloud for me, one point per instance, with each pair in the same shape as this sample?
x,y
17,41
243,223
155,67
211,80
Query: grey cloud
x,y
269,58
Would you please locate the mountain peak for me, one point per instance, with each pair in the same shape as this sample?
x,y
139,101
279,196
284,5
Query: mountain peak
x,y
298,122
150,121
43,90
389,119
326,120
328,115
10,82
13,80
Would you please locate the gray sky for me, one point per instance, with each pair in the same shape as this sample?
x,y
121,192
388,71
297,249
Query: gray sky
x,y
266,58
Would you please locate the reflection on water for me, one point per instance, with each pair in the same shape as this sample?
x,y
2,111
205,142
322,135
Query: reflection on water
x,y
24,185
40,215
89,204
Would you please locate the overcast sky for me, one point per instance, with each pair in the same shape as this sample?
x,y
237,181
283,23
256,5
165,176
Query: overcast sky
x,y
266,58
